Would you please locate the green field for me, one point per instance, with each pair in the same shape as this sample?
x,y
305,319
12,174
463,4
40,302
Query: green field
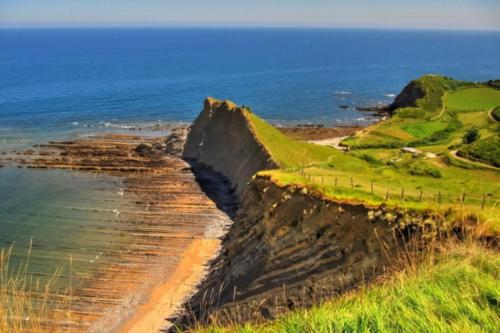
x,y
473,99
457,291
439,118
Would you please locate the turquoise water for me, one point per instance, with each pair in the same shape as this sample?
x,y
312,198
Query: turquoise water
x,y
62,214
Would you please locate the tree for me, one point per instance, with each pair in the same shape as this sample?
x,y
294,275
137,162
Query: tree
x,y
471,135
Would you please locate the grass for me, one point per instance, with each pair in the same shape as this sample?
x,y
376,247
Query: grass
x,y
455,290
288,153
26,305
473,99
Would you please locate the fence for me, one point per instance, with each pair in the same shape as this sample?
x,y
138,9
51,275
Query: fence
x,y
387,192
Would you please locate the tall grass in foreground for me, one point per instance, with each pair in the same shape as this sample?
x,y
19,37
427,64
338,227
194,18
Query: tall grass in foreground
x,y
26,304
453,290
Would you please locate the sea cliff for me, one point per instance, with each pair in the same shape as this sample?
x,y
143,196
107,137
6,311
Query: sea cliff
x,y
221,138
288,246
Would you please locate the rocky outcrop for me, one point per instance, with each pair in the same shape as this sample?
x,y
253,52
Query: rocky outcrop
x,y
408,96
222,138
290,248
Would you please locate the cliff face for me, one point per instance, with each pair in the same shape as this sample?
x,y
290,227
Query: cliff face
x,y
288,248
408,96
221,138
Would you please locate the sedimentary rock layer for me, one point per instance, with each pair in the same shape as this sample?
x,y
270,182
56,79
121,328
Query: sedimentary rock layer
x,y
289,248
167,215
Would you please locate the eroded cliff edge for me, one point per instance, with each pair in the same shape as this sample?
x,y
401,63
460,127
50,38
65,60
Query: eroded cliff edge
x,y
222,138
288,247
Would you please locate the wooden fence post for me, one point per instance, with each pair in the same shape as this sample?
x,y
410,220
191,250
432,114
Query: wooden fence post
x,y
402,193
387,195
335,181
484,201
352,183
439,198
420,197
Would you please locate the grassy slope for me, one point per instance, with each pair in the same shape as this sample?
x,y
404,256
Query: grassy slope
x,y
473,99
389,170
288,153
456,291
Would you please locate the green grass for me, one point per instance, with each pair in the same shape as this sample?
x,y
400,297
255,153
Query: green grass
x,y
473,99
486,150
288,153
455,291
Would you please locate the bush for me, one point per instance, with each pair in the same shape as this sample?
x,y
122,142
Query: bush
x,y
471,135
422,170
370,159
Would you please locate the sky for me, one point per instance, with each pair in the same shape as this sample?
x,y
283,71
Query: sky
x,y
419,14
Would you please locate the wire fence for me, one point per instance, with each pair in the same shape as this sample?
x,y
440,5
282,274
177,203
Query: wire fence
x,y
388,192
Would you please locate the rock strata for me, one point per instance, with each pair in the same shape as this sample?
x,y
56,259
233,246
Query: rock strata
x,y
221,138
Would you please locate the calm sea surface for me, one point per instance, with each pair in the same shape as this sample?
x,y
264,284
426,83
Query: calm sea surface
x,y
55,83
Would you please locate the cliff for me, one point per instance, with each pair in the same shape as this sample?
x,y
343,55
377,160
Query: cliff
x,y
221,137
408,97
289,248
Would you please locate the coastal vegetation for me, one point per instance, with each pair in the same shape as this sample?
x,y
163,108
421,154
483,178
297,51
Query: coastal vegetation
x,y
452,290
26,303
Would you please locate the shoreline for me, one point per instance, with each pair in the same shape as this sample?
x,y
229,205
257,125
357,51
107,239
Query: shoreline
x,y
167,297
147,307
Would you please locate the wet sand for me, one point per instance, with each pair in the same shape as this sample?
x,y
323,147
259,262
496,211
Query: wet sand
x,y
168,297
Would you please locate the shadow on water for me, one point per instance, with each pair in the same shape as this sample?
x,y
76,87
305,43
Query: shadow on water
x,y
216,186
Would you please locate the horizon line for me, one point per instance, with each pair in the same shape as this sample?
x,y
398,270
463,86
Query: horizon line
x,y
232,26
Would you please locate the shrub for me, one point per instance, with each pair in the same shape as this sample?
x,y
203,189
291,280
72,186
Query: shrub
x,y
370,159
496,113
422,170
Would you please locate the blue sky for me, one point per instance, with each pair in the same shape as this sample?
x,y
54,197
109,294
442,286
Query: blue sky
x,y
426,14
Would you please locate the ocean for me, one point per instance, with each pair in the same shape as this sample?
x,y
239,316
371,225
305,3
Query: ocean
x,y
58,83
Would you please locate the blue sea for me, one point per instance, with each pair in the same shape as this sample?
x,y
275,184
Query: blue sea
x,y
53,79
58,83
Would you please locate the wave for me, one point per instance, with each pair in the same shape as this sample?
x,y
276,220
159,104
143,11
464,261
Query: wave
x,y
390,95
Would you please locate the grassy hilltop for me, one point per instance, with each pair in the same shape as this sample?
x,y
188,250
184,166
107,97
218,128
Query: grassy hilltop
x,y
454,172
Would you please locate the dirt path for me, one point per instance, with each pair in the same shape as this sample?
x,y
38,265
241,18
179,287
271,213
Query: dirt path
x,y
333,142
479,164
490,115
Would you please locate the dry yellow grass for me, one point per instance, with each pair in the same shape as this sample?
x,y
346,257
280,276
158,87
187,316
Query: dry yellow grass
x,y
26,305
